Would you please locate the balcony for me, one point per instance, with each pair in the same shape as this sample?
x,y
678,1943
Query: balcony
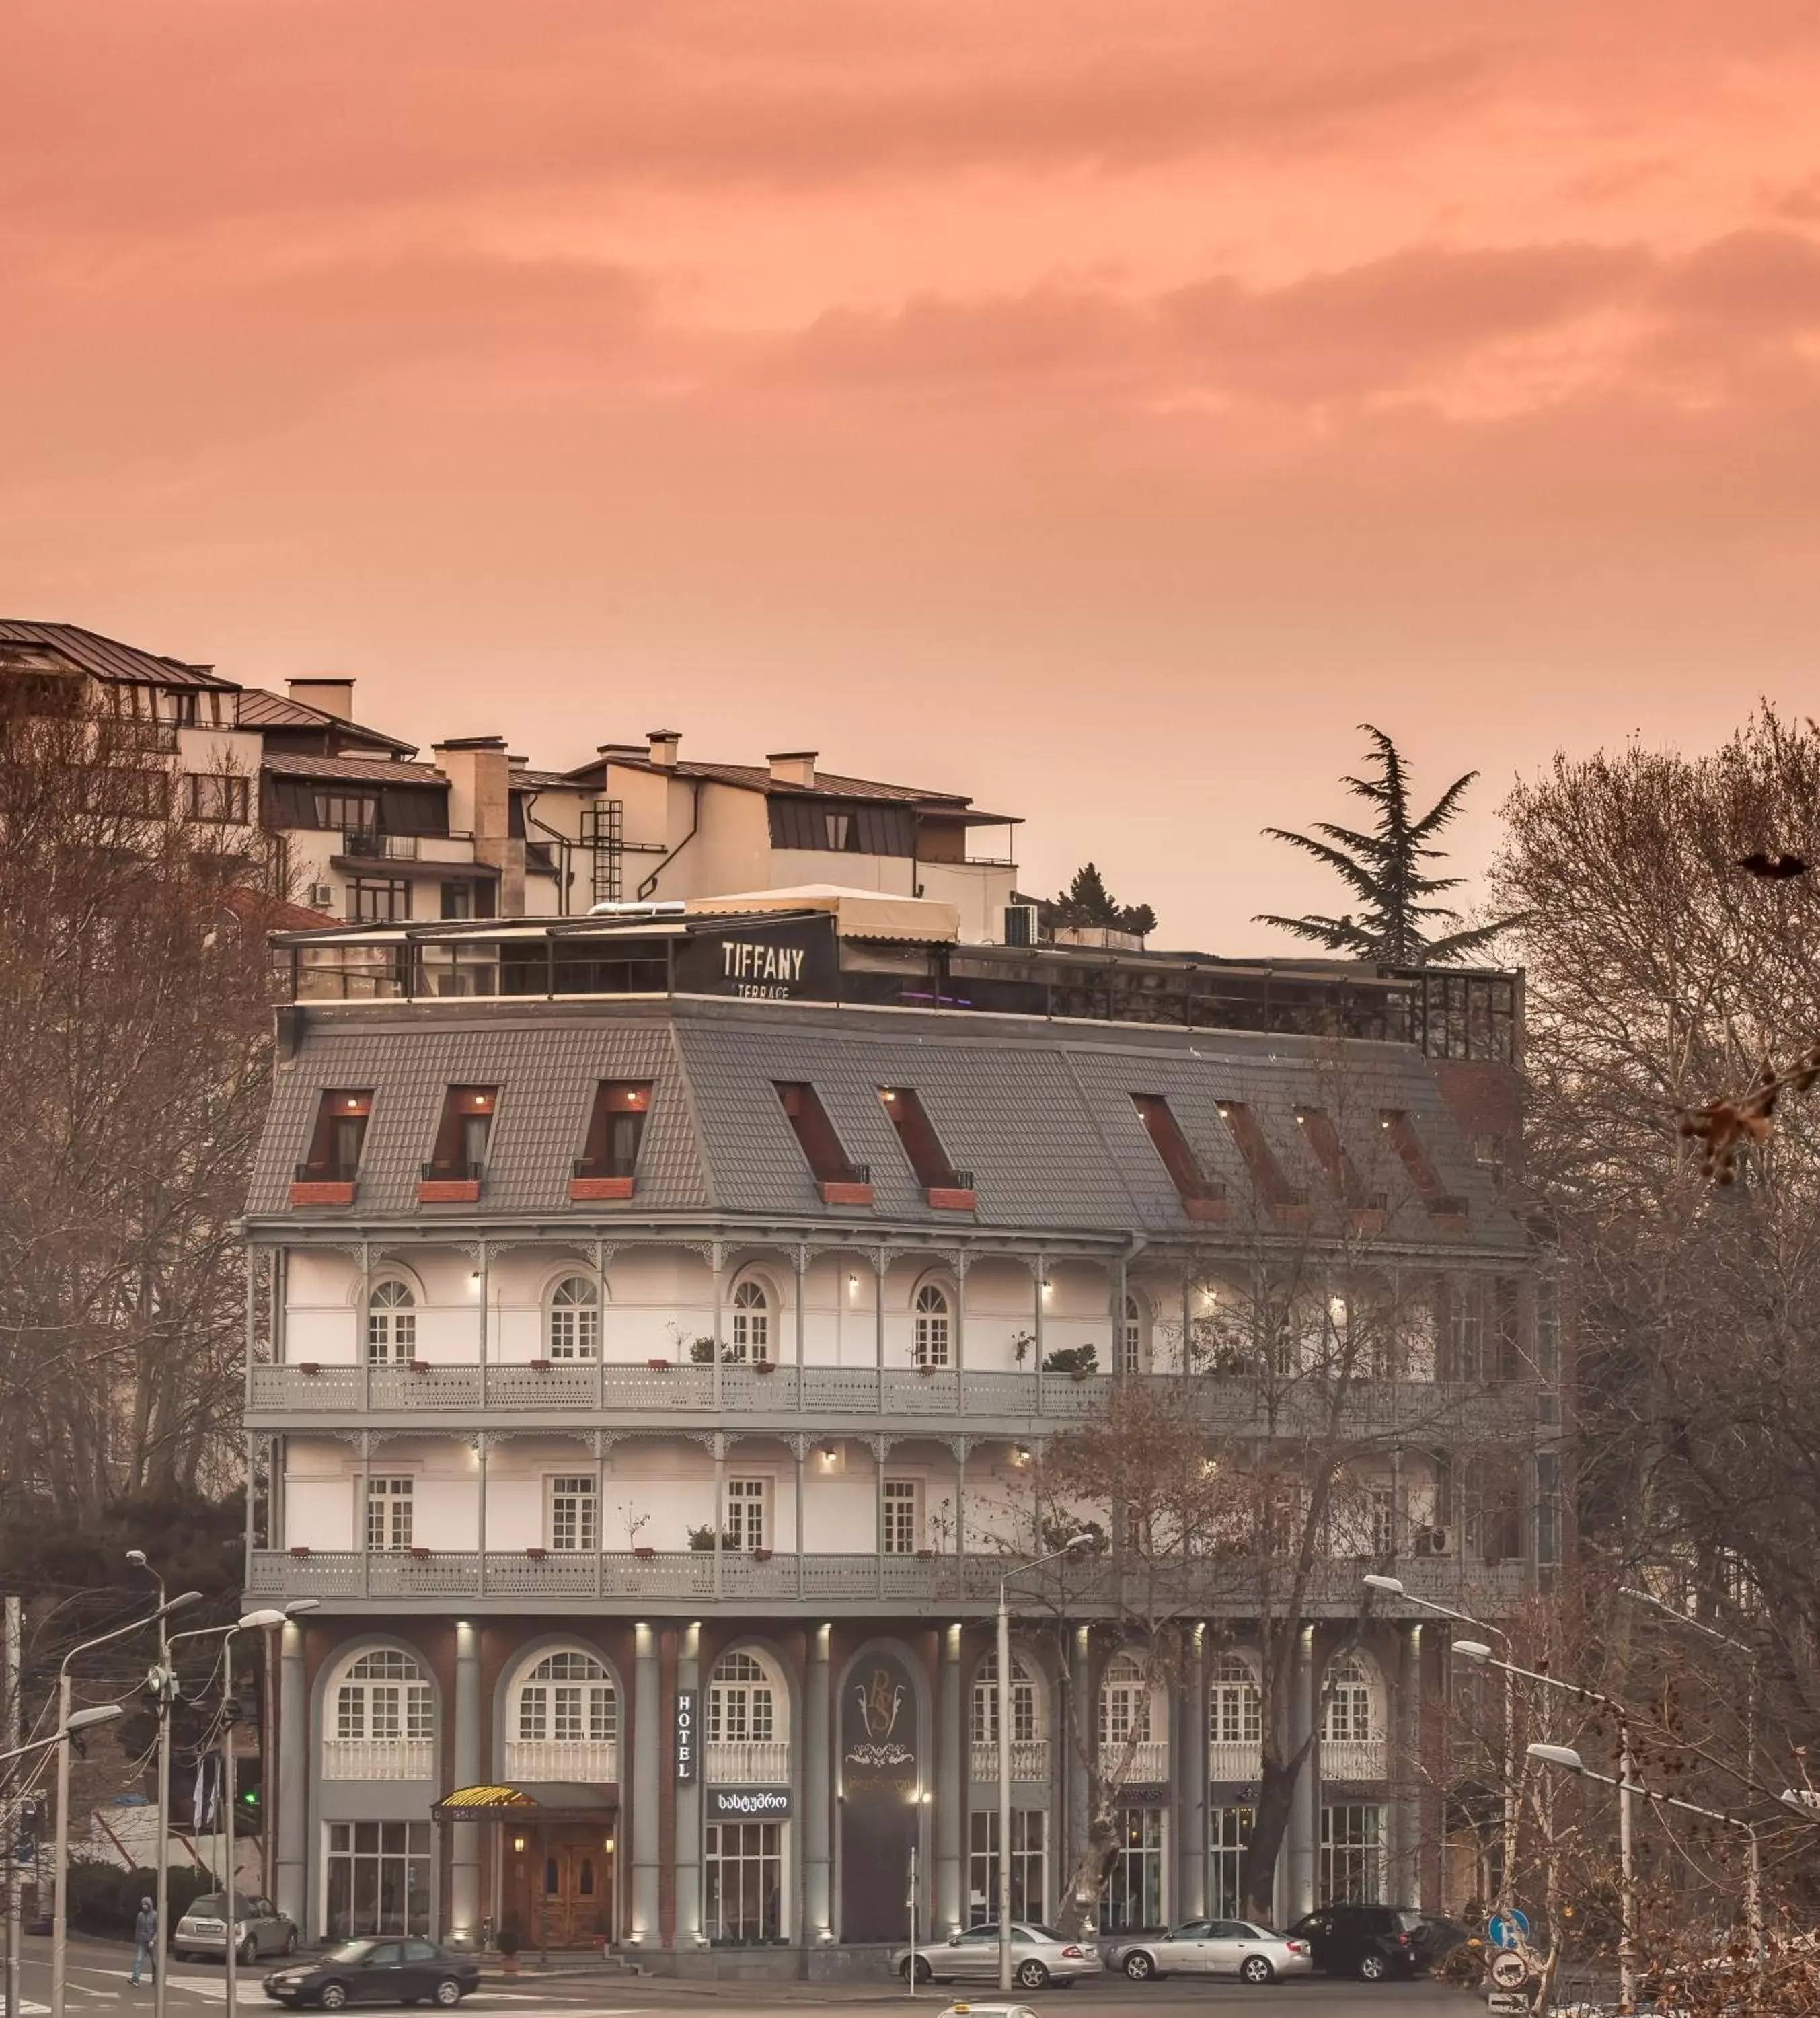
x,y
379,1758
366,846
449,1183
854,1186
595,1183
1149,1761
1030,1760
586,1762
1353,1759
752,1762
957,1195
1234,1762
318,1184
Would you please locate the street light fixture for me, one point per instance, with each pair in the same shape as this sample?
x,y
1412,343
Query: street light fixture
x,y
1753,1701
161,1872
1391,1586
1072,1546
1474,1650
80,1720
1569,1761
60,1861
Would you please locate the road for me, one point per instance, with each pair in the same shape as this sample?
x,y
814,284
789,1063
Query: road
x,y
100,1987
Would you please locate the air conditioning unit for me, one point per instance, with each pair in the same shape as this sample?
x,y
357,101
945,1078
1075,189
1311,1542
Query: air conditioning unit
x,y
1433,1540
321,896
1020,924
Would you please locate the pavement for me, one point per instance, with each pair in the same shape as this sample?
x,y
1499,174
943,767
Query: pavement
x,y
100,1986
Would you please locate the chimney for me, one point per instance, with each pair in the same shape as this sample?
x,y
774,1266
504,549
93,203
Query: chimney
x,y
479,768
792,767
333,696
663,746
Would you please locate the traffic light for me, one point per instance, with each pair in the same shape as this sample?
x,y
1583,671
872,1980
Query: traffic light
x,y
28,1820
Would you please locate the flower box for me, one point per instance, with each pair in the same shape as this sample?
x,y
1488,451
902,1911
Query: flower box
x,y
536,1555
761,1555
419,1555
645,1554
419,1365
309,1367
926,1369
765,1366
926,1555
658,1365
300,1552
540,1365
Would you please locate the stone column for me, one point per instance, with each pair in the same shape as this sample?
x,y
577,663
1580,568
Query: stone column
x,y
1082,1728
950,1791
817,1806
1405,1707
1299,1879
689,1808
293,1779
1192,1783
649,1754
464,1845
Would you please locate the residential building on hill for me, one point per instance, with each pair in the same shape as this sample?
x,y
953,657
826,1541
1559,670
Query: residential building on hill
x,y
660,1324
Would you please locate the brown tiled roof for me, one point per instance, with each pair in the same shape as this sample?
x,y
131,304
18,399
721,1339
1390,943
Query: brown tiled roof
x,y
542,780
106,658
827,785
376,770
262,710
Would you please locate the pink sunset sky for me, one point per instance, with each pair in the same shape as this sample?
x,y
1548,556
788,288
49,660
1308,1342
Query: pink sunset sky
x,y
1097,408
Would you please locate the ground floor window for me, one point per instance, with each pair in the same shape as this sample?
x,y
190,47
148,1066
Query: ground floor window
x,y
1352,1854
1029,1865
1228,1832
378,1878
743,1867
1133,1898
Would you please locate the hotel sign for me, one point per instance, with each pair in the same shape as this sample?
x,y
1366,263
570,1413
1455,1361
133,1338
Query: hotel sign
x,y
749,1804
881,1785
689,1757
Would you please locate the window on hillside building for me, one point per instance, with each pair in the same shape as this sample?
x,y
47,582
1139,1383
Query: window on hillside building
x,y
903,1517
461,1135
1171,1146
746,1500
575,1319
574,1515
1274,1188
751,1321
616,1129
335,1142
391,1324
928,1159
933,1321
378,899
388,1515
815,1135
212,795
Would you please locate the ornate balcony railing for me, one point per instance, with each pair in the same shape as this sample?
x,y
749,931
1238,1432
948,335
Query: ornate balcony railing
x,y
1353,1759
746,1762
587,1762
1030,1759
379,1758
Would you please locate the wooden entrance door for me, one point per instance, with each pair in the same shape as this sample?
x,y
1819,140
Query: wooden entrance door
x,y
564,1889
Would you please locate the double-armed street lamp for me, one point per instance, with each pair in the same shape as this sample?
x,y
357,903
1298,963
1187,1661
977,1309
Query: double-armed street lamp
x,y
1072,1546
66,1721
1390,1586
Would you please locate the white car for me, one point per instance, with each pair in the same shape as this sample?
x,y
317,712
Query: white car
x,y
988,2011
1039,1955
1213,1947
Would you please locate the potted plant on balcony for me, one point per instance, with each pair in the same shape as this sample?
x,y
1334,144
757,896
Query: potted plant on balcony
x,y
702,1540
419,1365
536,1555
765,1366
309,1368
700,1352
1075,1361
658,1365
761,1555
926,1555
1022,1343
510,1942
540,1366
419,1555
300,1552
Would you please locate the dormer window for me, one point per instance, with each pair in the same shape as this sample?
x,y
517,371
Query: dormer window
x,y
608,1166
452,1175
1448,1212
329,1172
946,1188
1200,1198
839,1181
1284,1202
1366,1209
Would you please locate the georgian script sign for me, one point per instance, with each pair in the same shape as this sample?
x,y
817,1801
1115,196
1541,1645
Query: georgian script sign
x,y
748,1804
881,1785
687,1754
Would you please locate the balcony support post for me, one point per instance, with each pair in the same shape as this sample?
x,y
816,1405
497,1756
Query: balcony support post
x,y
880,1445
360,1324
801,1254
716,1261
960,1503
1038,1280
1121,1293
960,1331
480,1444
601,1443
689,1933
465,1837
950,1797
649,1751
363,1514
600,1340
799,1451
292,1820
818,1745
253,1443
252,1325
720,1449
480,1271
881,1261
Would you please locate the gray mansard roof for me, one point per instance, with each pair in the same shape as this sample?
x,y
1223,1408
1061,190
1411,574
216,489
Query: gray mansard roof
x,y
1041,1114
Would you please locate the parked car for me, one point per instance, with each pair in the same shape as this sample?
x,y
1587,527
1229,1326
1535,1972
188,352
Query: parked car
x,y
1211,1947
972,2010
1039,1955
378,1972
259,1929
1375,1943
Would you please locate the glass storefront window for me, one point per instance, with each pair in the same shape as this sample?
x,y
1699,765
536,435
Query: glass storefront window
x,y
743,1874
1133,1898
378,1878
1029,1865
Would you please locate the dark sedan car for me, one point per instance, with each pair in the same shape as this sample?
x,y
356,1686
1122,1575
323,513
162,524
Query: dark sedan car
x,y
378,1972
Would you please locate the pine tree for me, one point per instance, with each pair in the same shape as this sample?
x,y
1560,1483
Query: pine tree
x,y
1088,902
1385,869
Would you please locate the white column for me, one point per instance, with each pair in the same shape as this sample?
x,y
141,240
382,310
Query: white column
x,y
647,1755
688,1809
293,1740
950,1791
465,1837
818,1805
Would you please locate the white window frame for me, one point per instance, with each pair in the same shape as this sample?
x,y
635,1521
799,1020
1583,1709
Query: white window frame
x,y
903,1515
1133,1336
583,1521
1345,1854
391,1322
752,1308
571,1324
543,1698
1026,1702
932,1328
747,1512
1235,1705
390,1506
744,1698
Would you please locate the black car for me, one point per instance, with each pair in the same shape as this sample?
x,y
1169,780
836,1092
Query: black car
x,y
378,1972
1375,1943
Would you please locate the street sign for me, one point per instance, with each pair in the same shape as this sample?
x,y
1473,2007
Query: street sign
x,y
1508,2002
1509,1970
1507,1929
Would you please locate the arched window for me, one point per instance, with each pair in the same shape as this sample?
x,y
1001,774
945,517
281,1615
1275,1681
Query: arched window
x,y
1133,1337
391,1323
1124,1702
747,1738
1352,1714
575,1319
751,1321
563,1720
933,1319
1027,1718
1234,1707
381,1720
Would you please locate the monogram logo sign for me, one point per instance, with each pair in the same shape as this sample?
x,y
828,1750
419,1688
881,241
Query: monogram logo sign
x,y
881,1785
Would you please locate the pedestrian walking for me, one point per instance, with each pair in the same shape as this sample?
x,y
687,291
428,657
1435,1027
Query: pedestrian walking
x,y
145,1939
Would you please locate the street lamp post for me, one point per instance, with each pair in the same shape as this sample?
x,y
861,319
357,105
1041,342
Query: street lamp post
x,y
1072,1547
1569,1761
1392,1587
1473,1650
79,1720
60,1860
161,1872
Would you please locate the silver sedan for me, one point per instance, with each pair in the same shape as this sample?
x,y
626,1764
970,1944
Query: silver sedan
x,y
1039,1956
1212,1948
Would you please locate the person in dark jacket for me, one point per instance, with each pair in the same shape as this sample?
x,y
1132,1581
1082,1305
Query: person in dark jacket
x,y
144,1939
